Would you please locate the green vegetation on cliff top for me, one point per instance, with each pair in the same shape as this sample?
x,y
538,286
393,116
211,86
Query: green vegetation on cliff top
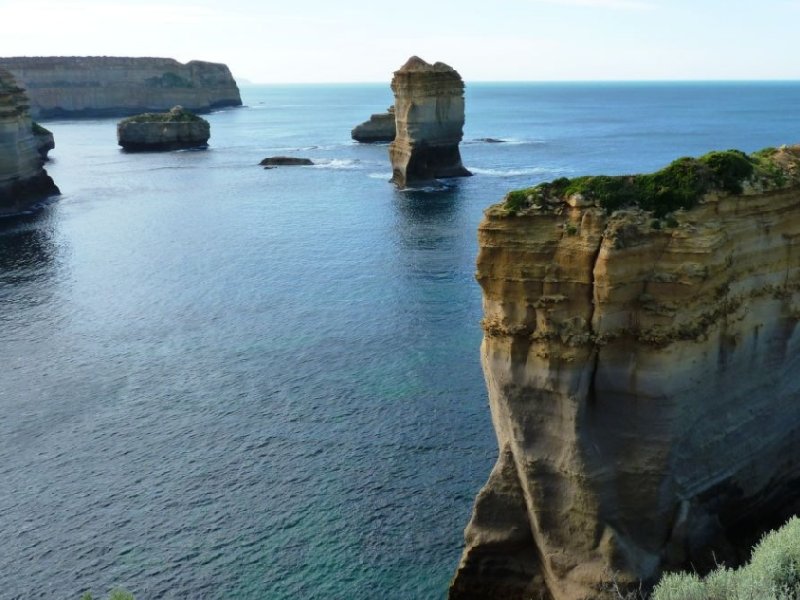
x,y
38,129
679,185
176,115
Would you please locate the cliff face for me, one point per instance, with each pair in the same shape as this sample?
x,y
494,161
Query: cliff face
x,y
429,115
76,86
643,378
23,181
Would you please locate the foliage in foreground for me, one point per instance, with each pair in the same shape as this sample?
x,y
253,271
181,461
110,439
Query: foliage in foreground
x,y
679,185
773,573
117,594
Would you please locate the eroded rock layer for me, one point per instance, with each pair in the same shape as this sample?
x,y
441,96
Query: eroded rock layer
x,y
644,383
23,181
90,86
379,128
429,116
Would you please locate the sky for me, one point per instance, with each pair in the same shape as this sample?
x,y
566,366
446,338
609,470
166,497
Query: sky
x,y
304,41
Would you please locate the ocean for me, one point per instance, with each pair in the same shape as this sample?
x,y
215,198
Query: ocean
x,y
221,381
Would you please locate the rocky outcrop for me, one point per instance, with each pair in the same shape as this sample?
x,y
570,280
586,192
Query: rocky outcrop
x,y
643,369
285,161
92,86
379,128
174,130
429,113
23,181
44,140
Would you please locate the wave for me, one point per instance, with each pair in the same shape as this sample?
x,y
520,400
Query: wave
x,y
512,172
384,176
339,164
505,141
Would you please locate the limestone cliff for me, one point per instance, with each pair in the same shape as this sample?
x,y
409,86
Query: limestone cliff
x,y
23,181
379,128
643,369
89,86
429,115
172,130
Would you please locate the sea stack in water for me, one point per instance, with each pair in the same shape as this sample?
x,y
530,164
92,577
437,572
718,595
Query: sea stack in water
x,y
23,181
173,130
643,369
104,86
379,128
429,113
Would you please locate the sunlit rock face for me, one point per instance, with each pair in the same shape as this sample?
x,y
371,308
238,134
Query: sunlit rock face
x,y
89,86
23,181
379,128
429,115
644,384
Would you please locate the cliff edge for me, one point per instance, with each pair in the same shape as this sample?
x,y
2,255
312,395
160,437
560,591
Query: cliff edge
x,y
102,86
641,354
23,181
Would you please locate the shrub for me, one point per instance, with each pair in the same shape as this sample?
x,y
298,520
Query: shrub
x,y
681,184
773,573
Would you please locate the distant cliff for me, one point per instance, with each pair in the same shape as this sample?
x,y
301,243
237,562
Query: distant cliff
x,y
89,86
642,357
23,181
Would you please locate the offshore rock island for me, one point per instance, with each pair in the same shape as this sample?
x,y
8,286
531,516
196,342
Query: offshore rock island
x,y
23,181
380,127
429,116
102,86
641,355
173,130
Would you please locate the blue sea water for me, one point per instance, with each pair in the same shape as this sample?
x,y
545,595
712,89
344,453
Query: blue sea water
x,y
220,381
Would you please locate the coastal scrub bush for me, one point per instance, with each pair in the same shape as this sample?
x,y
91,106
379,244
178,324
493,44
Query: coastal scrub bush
x,y
173,116
773,573
116,594
38,129
681,184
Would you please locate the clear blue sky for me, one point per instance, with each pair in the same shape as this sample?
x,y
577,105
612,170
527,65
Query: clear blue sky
x,y
486,40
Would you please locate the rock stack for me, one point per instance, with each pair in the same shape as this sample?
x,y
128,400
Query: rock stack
x,y
379,128
429,113
174,130
23,181
643,375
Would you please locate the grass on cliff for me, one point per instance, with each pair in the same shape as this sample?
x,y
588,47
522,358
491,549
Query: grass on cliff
x,y
38,129
679,185
173,116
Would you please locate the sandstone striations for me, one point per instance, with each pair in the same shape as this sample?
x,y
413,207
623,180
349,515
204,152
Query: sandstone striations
x,y
379,128
23,181
174,130
642,369
429,113
89,86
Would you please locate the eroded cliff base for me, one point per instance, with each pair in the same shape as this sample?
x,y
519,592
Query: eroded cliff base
x,y
642,358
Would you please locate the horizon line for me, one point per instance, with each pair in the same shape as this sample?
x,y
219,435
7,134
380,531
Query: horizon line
x,y
246,81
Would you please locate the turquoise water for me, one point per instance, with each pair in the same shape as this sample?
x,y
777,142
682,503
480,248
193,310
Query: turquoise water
x,y
221,381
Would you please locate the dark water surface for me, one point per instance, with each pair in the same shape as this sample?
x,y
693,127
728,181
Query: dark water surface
x,y
220,381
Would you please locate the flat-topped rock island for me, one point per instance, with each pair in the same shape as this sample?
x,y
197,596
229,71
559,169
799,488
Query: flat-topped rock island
x,y
109,86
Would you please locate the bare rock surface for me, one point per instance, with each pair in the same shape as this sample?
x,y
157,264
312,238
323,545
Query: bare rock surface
x,y
23,181
379,128
285,161
92,86
644,379
174,130
429,113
